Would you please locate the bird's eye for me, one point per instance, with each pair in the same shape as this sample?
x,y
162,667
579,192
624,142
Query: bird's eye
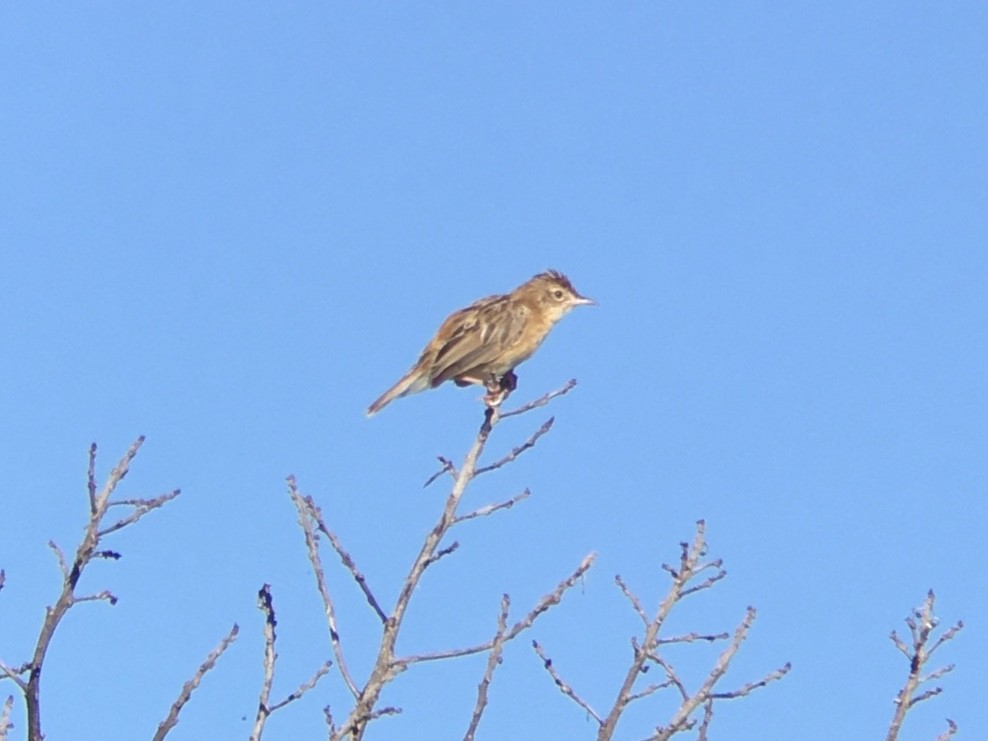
x,y
557,294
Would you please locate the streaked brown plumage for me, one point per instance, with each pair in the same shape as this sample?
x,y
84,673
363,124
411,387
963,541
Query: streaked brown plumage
x,y
483,343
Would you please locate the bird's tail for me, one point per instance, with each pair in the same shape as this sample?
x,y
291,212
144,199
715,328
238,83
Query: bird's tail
x,y
411,383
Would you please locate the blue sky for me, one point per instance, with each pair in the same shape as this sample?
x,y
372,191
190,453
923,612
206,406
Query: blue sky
x,y
229,227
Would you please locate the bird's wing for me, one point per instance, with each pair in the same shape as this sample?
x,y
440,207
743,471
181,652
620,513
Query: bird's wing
x,y
478,336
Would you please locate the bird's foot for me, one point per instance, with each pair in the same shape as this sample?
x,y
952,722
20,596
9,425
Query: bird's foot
x,y
499,389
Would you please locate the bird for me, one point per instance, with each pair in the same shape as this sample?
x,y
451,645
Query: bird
x,y
483,343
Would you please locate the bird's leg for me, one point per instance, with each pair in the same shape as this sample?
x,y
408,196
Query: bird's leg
x,y
498,389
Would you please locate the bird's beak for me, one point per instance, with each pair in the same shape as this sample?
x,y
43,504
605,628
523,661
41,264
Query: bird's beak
x,y
584,301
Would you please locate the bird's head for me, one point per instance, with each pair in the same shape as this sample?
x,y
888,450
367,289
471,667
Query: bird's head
x,y
554,294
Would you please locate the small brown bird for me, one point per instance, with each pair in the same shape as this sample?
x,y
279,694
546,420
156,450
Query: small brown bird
x,y
484,342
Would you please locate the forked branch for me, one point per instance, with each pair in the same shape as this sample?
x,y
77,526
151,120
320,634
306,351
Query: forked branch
x,y
435,546
28,676
688,577
921,624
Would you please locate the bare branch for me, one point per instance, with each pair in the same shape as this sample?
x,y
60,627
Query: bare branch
x,y
5,724
954,630
949,733
492,508
705,693
442,553
543,400
683,576
345,557
899,644
545,603
91,479
750,687
63,567
921,624
264,705
691,637
708,715
330,723
307,685
387,665
265,605
493,659
926,695
87,550
104,596
937,674
14,674
563,686
117,474
305,519
651,689
515,452
689,566
633,599
189,687
674,680
447,467
142,507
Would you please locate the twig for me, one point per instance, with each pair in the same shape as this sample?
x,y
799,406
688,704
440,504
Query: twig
x,y
14,674
447,467
565,688
63,567
750,687
305,519
5,724
949,733
708,715
266,605
492,508
674,680
307,685
651,689
691,637
142,507
544,604
189,687
515,452
493,659
543,400
91,479
633,599
330,723
442,553
264,705
345,557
